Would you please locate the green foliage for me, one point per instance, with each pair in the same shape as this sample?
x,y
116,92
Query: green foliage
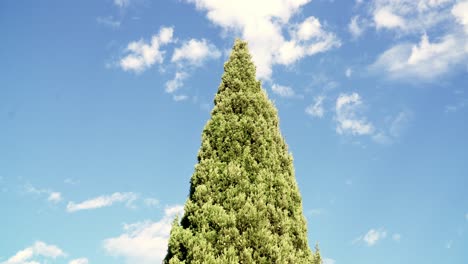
x,y
244,204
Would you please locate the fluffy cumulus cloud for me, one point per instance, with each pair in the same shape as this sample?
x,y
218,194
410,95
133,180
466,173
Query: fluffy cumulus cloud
x,y
79,261
460,12
103,201
144,242
55,197
262,24
141,55
316,109
195,52
34,253
347,116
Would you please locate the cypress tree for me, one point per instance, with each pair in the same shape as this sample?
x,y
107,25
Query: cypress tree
x,y
244,204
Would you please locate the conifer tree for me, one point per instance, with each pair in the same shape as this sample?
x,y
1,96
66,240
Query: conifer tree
x,y
244,204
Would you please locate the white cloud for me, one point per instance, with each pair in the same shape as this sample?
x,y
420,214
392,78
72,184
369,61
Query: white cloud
x,y
103,201
348,72
262,23
354,28
348,121
466,216
39,249
316,109
328,261
55,197
460,11
409,16
398,123
396,237
178,81
283,91
307,38
144,242
433,56
180,98
79,261
372,237
195,52
385,18
52,196
424,61
142,56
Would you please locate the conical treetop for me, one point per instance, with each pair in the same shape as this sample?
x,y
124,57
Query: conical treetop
x,y
244,205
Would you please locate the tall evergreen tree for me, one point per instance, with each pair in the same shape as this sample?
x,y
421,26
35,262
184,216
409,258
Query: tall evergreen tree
x,y
244,204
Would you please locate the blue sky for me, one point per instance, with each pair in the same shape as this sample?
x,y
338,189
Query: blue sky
x,y
102,104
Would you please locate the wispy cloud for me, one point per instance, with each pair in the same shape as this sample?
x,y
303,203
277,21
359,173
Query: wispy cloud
x,y
144,242
348,72
38,249
316,109
151,202
103,201
424,61
79,261
52,196
282,90
328,261
347,116
356,27
108,21
455,107
449,244
396,237
122,3
177,82
438,52
371,237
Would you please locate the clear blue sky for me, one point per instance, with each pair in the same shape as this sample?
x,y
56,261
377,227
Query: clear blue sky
x,y
102,104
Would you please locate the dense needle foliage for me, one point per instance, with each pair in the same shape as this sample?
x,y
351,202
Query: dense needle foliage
x,y
244,204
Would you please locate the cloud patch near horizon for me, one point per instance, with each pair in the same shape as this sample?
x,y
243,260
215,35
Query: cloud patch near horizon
x,y
38,250
144,242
